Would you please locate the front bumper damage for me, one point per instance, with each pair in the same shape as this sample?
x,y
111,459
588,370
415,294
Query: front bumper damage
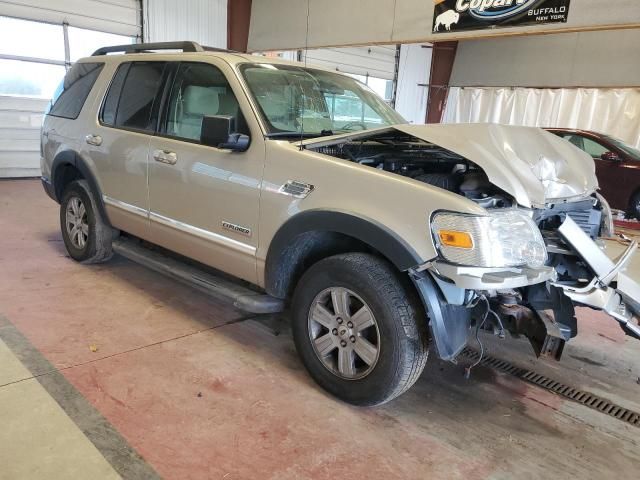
x,y
614,289
544,313
478,278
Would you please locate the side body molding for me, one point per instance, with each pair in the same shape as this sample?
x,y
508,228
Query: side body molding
x,y
309,232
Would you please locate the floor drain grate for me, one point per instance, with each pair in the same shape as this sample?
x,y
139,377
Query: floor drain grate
x,y
588,399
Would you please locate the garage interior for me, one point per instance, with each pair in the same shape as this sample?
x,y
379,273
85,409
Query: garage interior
x,y
115,371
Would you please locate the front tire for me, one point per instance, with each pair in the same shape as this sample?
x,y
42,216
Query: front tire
x,y
359,328
86,234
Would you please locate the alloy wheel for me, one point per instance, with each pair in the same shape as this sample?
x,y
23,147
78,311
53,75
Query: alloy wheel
x,y
344,333
76,222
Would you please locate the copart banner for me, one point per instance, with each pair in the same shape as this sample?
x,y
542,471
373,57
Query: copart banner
x,y
457,15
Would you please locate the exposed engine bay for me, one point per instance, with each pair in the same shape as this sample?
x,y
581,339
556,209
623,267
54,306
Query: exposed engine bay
x,y
543,312
424,162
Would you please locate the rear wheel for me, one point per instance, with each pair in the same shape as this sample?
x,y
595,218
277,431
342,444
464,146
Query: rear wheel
x,y
635,206
86,235
359,328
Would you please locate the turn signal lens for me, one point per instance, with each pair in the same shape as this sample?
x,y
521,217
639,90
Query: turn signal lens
x,y
451,238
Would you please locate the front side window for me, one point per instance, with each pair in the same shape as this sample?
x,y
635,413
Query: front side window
x,y
199,90
576,140
594,148
69,97
628,149
132,94
295,100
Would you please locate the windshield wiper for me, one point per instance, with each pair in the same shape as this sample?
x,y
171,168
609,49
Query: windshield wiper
x,y
294,135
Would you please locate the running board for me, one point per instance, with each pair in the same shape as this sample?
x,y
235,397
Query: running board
x,y
211,284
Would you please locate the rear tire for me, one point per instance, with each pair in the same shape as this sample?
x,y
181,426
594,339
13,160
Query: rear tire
x,y
371,342
86,235
635,206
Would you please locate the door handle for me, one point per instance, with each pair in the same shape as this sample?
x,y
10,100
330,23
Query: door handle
x,y
93,140
165,156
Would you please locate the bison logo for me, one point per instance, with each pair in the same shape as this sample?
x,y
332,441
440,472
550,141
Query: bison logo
x,y
446,19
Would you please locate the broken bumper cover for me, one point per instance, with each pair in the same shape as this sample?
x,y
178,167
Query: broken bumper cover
x,y
614,289
450,319
479,278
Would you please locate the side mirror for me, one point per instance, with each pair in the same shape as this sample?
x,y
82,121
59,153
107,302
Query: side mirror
x,y
610,157
219,131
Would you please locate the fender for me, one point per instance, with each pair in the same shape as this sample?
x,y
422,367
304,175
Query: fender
x,y
69,157
326,223
449,324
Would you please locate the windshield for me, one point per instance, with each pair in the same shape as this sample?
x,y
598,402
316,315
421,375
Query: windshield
x,y
302,101
628,149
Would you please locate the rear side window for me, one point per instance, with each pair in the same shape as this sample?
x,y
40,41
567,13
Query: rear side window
x,y
71,94
130,100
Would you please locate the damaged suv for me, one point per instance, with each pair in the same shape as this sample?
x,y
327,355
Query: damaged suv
x,y
377,235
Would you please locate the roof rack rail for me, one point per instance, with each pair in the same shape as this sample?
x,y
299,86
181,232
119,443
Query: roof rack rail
x,y
216,49
147,47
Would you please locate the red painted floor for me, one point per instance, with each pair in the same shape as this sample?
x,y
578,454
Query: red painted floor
x,y
200,399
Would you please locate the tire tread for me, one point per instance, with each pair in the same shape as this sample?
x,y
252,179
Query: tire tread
x,y
416,356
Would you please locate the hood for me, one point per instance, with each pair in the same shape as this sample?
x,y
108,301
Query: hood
x,y
531,164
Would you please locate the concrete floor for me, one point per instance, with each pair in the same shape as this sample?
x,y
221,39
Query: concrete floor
x,y
114,370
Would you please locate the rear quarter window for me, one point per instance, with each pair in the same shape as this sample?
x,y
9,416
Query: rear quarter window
x,y
71,94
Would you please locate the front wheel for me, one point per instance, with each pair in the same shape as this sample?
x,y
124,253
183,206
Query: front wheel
x,y
359,328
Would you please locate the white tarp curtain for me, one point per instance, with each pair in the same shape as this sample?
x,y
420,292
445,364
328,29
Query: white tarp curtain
x,y
615,111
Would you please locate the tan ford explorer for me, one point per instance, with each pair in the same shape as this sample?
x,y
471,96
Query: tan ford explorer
x,y
284,187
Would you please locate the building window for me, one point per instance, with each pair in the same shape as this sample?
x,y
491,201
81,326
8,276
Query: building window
x,y
82,42
29,79
33,58
31,39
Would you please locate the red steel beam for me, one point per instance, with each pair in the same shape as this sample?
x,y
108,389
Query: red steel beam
x,y
444,54
238,20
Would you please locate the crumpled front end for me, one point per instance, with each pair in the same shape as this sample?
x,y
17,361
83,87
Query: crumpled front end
x,y
531,164
554,183
615,286
581,269
514,248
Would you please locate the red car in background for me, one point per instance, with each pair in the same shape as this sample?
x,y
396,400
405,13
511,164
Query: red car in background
x,y
617,167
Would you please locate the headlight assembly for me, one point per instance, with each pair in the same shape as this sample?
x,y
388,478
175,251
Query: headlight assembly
x,y
504,238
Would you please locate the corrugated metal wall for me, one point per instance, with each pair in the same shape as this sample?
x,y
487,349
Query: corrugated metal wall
x,y
20,120
203,21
